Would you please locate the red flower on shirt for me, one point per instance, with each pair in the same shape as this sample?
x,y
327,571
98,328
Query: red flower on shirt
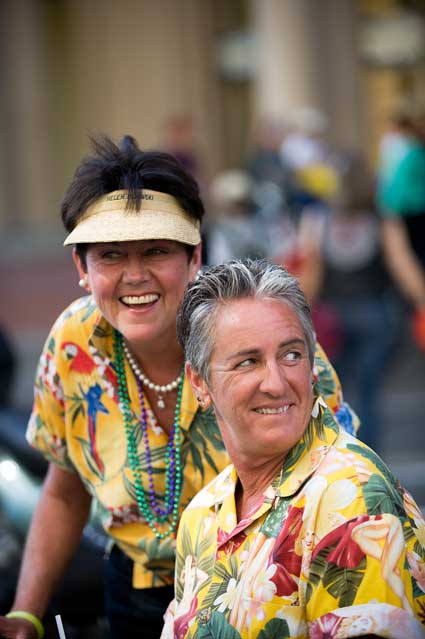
x,y
346,553
283,554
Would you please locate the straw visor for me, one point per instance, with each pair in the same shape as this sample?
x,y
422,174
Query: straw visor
x,y
160,218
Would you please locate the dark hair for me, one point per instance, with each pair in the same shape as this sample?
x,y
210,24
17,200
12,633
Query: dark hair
x,y
125,166
223,283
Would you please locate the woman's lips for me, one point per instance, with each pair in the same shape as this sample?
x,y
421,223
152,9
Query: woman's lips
x,y
136,300
273,411
139,302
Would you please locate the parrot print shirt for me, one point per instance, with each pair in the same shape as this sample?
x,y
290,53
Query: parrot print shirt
x,y
77,423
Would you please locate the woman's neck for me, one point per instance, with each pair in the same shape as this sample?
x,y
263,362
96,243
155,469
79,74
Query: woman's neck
x,y
254,479
161,363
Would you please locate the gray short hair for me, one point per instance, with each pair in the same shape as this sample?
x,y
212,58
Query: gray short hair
x,y
223,283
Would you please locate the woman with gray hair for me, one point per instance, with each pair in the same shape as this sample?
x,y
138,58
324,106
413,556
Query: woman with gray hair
x,y
306,533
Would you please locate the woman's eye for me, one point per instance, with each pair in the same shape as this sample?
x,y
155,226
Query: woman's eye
x,y
245,362
156,250
110,255
292,356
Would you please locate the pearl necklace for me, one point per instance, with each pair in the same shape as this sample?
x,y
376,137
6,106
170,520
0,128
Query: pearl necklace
x,y
159,390
173,460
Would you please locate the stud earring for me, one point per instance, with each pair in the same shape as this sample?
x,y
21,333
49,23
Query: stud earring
x,y
83,282
200,400
198,275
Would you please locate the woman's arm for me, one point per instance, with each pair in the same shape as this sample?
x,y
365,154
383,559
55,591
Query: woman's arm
x,y
402,262
53,536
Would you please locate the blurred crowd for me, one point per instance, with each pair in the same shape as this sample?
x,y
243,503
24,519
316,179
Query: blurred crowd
x,y
353,234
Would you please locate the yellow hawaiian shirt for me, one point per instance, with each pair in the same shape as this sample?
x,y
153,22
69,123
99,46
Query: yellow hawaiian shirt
x,y
335,548
77,423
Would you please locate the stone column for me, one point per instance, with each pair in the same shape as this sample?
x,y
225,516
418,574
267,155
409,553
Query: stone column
x,y
307,57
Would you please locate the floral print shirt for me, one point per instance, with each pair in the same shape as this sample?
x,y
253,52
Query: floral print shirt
x,y
77,423
335,548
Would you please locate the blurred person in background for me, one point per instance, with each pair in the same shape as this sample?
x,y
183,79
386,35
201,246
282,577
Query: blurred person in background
x,y
308,153
266,165
276,192
113,412
401,203
234,231
307,534
181,141
397,140
249,219
355,309
305,144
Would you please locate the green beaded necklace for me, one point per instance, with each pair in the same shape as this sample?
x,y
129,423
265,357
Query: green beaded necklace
x,y
172,497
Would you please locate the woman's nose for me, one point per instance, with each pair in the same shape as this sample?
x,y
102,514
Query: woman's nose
x,y
273,379
135,270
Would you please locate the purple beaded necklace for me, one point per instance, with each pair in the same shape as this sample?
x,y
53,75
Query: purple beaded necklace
x,y
170,463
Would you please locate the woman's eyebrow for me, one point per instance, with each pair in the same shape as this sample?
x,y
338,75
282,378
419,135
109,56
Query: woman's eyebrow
x,y
293,341
243,353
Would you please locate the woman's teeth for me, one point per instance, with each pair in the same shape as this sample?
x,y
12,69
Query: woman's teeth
x,y
272,411
139,299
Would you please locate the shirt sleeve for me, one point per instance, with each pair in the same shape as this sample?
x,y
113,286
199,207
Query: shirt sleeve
x,y
405,191
328,385
46,428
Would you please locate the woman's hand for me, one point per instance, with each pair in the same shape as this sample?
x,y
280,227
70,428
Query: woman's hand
x,y
17,629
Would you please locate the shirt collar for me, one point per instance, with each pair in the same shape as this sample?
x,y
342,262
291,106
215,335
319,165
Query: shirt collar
x,y
101,336
306,456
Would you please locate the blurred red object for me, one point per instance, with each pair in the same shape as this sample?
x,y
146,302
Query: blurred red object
x,y
329,329
418,328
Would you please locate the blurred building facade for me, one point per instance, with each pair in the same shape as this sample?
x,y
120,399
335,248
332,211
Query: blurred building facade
x,y
71,68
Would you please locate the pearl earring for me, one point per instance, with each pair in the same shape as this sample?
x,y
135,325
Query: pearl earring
x,y
82,282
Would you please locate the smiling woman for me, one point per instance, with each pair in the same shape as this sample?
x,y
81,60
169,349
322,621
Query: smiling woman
x,y
307,533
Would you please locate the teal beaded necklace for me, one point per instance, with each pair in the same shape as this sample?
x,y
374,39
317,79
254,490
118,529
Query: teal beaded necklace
x,y
155,517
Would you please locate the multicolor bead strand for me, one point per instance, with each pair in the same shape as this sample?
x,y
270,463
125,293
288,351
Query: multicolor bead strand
x,y
170,459
173,456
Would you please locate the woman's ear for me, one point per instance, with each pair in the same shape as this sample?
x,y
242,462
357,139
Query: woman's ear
x,y
199,386
196,261
82,272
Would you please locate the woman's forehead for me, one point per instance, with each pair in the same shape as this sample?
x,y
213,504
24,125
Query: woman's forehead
x,y
254,318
